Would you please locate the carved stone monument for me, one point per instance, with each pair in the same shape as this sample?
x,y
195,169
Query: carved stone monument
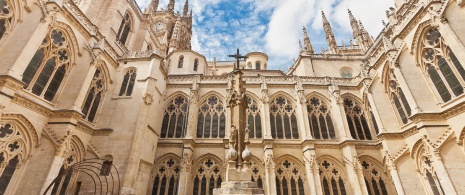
x,y
238,174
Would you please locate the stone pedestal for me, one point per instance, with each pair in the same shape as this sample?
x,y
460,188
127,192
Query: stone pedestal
x,y
238,188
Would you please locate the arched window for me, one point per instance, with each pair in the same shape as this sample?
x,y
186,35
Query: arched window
x,y
319,118
94,96
444,70
427,171
149,47
249,65
283,120
6,17
357,120
124,29
212,119
66,174
166,178
289,178
128,83
375,180
398,99
175,119
49,65
254,120
346,72
181,61
196,64
332,178
258,174
207,176
258,65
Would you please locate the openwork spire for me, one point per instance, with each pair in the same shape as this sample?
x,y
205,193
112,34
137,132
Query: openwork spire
x,y
154,5
171,5
354,24
186,8
329,35
307,44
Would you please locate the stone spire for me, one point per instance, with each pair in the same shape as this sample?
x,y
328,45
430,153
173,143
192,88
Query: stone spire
x,y
300,47
186,8
362,37
171,6
154,5
329,35
307,44
366,36
354,25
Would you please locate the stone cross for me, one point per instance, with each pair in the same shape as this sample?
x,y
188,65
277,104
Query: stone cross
x,y
238,57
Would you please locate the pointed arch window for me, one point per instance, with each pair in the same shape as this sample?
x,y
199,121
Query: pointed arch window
x,y
175,120
94,96
254,120
427,171
332,178
283,120
257,174
319,118
49,65
375,180
398,99
212,119
445,72
289,178
207,176
128,83
181,61
66,174
124,29
258,65
167,177
6,17
357,120
196,64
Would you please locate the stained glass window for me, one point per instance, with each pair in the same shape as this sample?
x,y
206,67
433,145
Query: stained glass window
x,y
211,120
254,119
94,96
357,120
49,65
442,66
124,29
166,178
398,99
128,83
6,17
374,178
207,177
289,178
332,178
175,120
283,121
8,173
319,118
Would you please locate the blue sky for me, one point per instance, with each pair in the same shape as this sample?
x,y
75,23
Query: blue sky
x,y
273,26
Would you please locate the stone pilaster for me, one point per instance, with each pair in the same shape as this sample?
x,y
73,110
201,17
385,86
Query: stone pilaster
x,y
406,90
337,108
186,166
442,175
394,175
351,164
313,180
193,111
301,110
269,170
375,113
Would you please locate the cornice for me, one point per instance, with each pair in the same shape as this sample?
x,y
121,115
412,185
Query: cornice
x,y
24,102
81,126
398,135
11,82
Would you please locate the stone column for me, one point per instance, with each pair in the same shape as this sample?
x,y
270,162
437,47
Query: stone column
x,y
309,159
406,90
269,170
442,175
395,176
338,113
375,113
350,164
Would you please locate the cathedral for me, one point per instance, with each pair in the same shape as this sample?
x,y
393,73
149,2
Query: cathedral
x,y
101,97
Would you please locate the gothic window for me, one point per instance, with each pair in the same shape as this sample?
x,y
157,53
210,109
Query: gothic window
x,y
211,120
207,176
149,47
257,173
346,72
94,96
373,120
61,186
398,99
166,178
175,120
332,178
289,178
49,65
283,120
375,180
425,165
6,17
254,120
128,83
124,29
181,61
357,120
258,65
319,118
11,147
196,64
440,63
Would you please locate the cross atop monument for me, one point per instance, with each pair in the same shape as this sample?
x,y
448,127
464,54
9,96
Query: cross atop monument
x,y
238,57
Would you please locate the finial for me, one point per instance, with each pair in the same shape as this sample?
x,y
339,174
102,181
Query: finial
x,y
300,46
186,8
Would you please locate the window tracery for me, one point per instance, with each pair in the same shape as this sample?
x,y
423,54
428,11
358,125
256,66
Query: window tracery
x,y
175,119
62,185
124,29
283,120
167,176
319,118
375,179
212,119
289,178
333,179
257,173
12,151
357,120
440,63
398,99
94,96
49,65
424,163
207,176
254,121
128,83
181,61
6,17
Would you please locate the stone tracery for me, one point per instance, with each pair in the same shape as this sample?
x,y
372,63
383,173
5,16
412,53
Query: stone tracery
x,y
283,119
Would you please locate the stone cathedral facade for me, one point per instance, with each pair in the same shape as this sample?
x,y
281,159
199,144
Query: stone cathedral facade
x,y
101,79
